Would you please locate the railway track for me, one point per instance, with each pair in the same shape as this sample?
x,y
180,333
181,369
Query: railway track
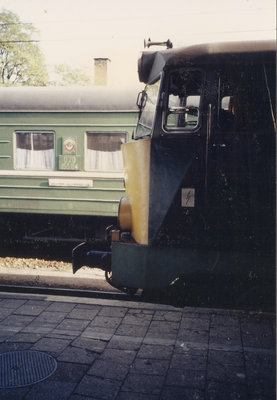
x,y
110,295
50,272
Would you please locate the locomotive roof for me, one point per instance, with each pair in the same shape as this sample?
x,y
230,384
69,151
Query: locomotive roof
x,y
152,63
67,99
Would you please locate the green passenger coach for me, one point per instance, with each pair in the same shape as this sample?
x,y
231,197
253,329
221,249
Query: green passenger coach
x,y
60,154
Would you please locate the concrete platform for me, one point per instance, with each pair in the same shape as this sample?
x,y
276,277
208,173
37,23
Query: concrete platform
x,y
110,349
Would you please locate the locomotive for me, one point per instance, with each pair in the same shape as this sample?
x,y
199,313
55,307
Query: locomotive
x,y
200,174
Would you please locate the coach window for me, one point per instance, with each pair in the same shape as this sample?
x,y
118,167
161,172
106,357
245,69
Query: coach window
x,y
103,151
183,101
34,150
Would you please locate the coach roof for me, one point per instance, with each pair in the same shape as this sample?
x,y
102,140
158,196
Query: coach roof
x,y
24,99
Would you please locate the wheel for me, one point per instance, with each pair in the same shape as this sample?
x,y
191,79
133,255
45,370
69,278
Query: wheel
x,y
108,277
128,290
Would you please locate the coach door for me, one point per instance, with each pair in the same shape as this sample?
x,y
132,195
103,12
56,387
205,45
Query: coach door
x,y
240,158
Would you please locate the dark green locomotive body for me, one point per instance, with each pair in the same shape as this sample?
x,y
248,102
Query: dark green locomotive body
x,y
208,124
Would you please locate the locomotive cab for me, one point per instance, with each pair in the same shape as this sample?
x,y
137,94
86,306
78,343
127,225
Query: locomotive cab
x,y
200,173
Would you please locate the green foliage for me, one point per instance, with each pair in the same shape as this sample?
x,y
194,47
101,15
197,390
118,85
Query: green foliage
x,y
21,61
67,76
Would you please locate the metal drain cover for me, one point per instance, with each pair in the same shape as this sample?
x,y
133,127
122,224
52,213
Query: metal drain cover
x,y
26,367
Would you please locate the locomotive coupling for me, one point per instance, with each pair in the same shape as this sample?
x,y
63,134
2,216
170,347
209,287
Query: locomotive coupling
x,y
84,255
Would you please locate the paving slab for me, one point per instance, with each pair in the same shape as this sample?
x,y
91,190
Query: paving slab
x,y
111,349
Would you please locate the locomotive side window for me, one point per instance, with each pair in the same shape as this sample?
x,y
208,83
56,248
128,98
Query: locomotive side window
x,y
103,151
183,101
34,150
246,103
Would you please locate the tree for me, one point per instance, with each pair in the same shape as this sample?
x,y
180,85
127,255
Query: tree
x,y
67,76
21,61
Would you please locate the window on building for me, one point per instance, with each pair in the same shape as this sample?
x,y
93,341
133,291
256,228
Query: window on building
x,y
34,150
103,151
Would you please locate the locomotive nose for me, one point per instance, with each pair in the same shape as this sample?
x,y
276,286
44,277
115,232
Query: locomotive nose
x,y
154,171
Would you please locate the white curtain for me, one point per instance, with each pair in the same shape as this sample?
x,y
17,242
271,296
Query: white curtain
x,y
35,159
104,160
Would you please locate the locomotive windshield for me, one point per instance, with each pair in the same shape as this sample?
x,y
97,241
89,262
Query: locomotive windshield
x,y
147,105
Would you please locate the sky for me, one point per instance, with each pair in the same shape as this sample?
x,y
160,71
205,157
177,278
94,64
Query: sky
x,y
74,32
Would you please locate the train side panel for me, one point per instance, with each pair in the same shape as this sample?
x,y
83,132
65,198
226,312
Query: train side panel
x,y
60,153
68,188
